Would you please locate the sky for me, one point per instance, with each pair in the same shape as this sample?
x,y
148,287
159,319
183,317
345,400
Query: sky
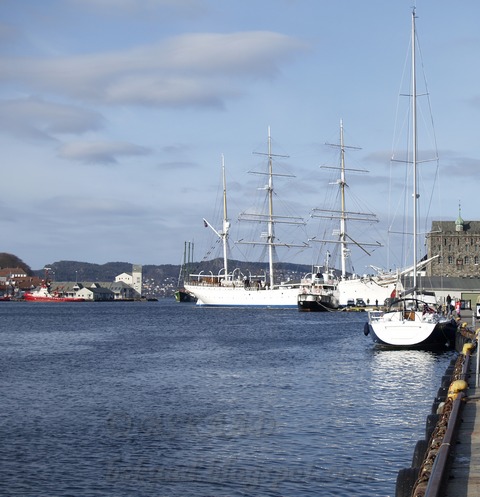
x,y
114,115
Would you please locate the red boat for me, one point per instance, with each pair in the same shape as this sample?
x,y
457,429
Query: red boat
x,y
43,294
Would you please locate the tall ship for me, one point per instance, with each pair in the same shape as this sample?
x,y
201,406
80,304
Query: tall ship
x,y
372,289
411,321
232,288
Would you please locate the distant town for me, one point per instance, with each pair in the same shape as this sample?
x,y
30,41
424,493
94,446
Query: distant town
x,y
158,281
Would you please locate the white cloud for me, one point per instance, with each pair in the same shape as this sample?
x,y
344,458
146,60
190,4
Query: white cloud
x,y
188,70
182,7
37,118
100,152
64,208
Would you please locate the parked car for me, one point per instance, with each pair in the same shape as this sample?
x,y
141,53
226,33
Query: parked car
x,y
360,303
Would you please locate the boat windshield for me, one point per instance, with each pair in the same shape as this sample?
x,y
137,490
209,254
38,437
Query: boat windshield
x,y
411,304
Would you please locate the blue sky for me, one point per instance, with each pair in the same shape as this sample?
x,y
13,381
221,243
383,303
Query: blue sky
x,y
114,115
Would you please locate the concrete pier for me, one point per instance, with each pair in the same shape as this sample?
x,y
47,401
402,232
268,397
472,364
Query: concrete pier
x,y
447,462
464,475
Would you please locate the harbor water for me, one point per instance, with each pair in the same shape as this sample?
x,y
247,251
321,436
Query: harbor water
x,y
162,399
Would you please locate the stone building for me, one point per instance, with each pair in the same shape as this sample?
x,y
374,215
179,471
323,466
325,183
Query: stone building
x,y
457,245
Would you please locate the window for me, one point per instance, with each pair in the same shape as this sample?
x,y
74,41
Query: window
x,y
466,260
450,259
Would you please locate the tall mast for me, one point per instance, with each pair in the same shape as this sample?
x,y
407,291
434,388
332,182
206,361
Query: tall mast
x,y
268,217
271,236
344,240
223,233
414,152
343,218
226,223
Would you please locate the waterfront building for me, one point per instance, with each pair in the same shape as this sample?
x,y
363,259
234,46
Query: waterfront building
x,y
457,245
134,279
456,269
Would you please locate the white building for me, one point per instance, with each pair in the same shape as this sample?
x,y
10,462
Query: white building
x,y
134,279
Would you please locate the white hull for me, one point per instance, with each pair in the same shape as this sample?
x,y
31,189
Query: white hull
x,y
412,329
238,296
372,290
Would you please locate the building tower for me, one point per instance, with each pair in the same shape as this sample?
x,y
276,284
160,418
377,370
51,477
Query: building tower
x,y
137,278
459,224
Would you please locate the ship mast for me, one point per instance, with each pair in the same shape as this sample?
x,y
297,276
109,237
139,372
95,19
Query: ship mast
x,y
343,217
226,222
269,217
223,234
270,234
414,153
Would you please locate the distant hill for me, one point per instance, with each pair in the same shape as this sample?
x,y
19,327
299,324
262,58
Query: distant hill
x,y
158,280
85,271
10,260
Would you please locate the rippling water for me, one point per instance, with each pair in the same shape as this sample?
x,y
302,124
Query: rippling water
x,y
171,400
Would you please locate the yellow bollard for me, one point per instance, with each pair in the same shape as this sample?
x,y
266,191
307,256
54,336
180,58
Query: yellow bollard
x,y
456,387
467,347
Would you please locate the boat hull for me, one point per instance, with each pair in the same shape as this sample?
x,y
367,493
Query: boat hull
x,y
42,298
183,296
238,296
373,290
403,332
308,302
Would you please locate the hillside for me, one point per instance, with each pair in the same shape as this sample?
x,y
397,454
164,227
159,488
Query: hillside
x,y
159,280
85,271
10,260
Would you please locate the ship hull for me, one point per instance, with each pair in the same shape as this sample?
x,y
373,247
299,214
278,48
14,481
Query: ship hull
x,y
373,290
41,298
309,302
237,296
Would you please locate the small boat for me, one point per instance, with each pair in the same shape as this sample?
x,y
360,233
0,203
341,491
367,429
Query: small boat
x,y
319,291
44,294
182,295
311,302
409,321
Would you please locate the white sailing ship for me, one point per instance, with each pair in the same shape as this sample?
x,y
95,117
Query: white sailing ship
x,y
234,289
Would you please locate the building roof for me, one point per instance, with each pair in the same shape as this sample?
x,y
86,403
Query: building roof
x,y
449,227
8,271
